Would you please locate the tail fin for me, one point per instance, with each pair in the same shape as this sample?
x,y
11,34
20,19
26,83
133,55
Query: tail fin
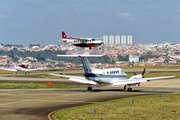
x,y
64,34
14,65
85,62
86,65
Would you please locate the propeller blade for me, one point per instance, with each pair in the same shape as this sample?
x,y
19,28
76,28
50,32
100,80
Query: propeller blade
x,y
143,72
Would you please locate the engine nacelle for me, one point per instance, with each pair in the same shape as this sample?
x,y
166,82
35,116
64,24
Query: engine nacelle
x,y
136,77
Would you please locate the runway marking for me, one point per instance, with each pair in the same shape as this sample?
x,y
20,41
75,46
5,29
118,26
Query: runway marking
x,y
39,99
14,102
68,101
51,114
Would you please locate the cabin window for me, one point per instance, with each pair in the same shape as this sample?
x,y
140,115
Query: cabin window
x,y
107,72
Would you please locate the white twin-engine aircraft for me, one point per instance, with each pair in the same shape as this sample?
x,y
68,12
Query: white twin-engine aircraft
x,y
21,67
114,76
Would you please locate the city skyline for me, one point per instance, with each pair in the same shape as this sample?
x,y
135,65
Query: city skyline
x,y
117,40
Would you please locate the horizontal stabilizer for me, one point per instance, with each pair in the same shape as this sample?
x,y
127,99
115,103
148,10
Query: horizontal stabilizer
x,y
77,79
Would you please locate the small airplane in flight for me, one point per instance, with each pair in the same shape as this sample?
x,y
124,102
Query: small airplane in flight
x,y
82,42
114,76
21,67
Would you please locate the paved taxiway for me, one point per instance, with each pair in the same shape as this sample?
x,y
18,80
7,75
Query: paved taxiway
x,y
31,104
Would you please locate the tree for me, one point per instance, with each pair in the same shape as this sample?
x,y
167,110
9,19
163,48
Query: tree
x,y
41,58
15,59
123,58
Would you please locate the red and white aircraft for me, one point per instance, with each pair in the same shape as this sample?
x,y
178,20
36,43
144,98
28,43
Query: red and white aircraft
x,y
21,67
82,42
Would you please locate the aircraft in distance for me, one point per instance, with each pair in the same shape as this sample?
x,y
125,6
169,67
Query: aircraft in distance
x,y
114,76
21,67
82,42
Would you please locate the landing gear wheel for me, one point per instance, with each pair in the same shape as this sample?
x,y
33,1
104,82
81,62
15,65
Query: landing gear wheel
x,y
15,73
89,88
125,87
129,89
27,72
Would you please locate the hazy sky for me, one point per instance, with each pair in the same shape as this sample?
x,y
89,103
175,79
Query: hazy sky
x,y
42,21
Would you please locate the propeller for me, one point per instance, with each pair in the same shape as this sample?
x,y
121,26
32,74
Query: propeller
x,y
143,72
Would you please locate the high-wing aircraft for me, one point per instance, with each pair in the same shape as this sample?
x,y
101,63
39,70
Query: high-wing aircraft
x,y
21,67
114,76
82,42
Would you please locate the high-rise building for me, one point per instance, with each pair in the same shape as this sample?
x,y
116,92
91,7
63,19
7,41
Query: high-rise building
x,y
106,48
105,39
129,39
111,39
123,39
117,39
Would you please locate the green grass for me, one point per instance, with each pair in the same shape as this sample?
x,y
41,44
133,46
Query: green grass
x,y
52,77
37,85
150,107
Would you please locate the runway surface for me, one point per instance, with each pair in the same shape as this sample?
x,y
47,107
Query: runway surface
x,y
36,104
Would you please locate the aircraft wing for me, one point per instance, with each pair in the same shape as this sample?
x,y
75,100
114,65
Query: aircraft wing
x,y
123,82
82,38
77,79
79,55
30,69
10,69
88,39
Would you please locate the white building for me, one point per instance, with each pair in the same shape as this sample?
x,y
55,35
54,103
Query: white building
x,y
105,39
111,39
117,39
129,39
123,39
133,58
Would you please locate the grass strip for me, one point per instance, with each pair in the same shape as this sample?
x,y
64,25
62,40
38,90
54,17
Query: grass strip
x,y
144,108
38,85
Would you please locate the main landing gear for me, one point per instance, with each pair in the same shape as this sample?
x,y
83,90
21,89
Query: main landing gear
x,y
27,72
129,89
89,88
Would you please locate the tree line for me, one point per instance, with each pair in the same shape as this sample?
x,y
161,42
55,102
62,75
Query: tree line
x,y
43,55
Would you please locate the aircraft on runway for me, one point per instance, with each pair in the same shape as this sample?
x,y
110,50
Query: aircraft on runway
x,y
21,67
82,42
114,76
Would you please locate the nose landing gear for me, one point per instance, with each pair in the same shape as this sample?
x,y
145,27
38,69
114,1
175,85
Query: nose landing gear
x,y
89,88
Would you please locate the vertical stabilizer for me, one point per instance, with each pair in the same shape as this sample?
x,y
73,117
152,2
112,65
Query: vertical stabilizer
x,y
86,65
84,59
14,65
64,35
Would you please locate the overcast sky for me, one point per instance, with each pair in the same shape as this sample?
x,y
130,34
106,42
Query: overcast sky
x,y
42,21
